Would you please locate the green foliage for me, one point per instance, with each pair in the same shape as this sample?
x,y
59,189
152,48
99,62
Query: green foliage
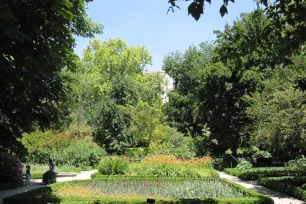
x,y
8,168
285,185
143,119
37,42
278,112
243,165
62,148
186,69
79,153
255,173
108,78
211,83
172,171
40,143
113,166
252,151
136,153
297,163
124,90
168,141
111,124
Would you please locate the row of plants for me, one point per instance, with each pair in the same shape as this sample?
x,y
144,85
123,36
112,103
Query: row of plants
x,y
138,190
158,166
255,173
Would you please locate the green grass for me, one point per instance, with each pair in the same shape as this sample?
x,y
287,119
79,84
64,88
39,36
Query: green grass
x,y
120,190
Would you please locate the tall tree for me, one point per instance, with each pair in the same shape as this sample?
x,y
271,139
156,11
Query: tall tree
x,y
186,70
109,77
37,41
243,58
278,112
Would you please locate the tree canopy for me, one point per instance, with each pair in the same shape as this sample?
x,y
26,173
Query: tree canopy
x,y
211,82
37,41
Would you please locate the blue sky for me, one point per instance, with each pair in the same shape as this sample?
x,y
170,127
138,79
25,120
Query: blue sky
x,y
146,23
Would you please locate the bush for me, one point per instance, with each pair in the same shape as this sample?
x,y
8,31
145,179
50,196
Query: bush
x,y
79,153
297,163
136,153
113,166
244,165
173,143
40,143
8,168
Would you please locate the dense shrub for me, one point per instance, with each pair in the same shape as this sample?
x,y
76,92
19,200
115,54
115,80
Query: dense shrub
x,y
79,153
136,153
297,163
113,165
40,143
8,168
244,165
174,143
62,147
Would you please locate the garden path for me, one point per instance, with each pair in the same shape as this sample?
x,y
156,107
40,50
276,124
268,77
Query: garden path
x,y
279,198
36,183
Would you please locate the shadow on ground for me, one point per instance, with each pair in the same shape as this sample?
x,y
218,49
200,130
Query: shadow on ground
x,y
37,196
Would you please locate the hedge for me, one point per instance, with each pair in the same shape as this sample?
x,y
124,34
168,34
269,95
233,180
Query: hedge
x,y
44,195
255,173
283,185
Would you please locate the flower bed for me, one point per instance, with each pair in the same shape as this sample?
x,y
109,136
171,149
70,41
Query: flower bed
x,y
120,190
160,166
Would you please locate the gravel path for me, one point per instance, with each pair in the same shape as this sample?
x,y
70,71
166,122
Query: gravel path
x,y
36,183
279,198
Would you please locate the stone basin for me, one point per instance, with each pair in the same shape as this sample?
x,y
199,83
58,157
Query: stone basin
x,y
66,174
